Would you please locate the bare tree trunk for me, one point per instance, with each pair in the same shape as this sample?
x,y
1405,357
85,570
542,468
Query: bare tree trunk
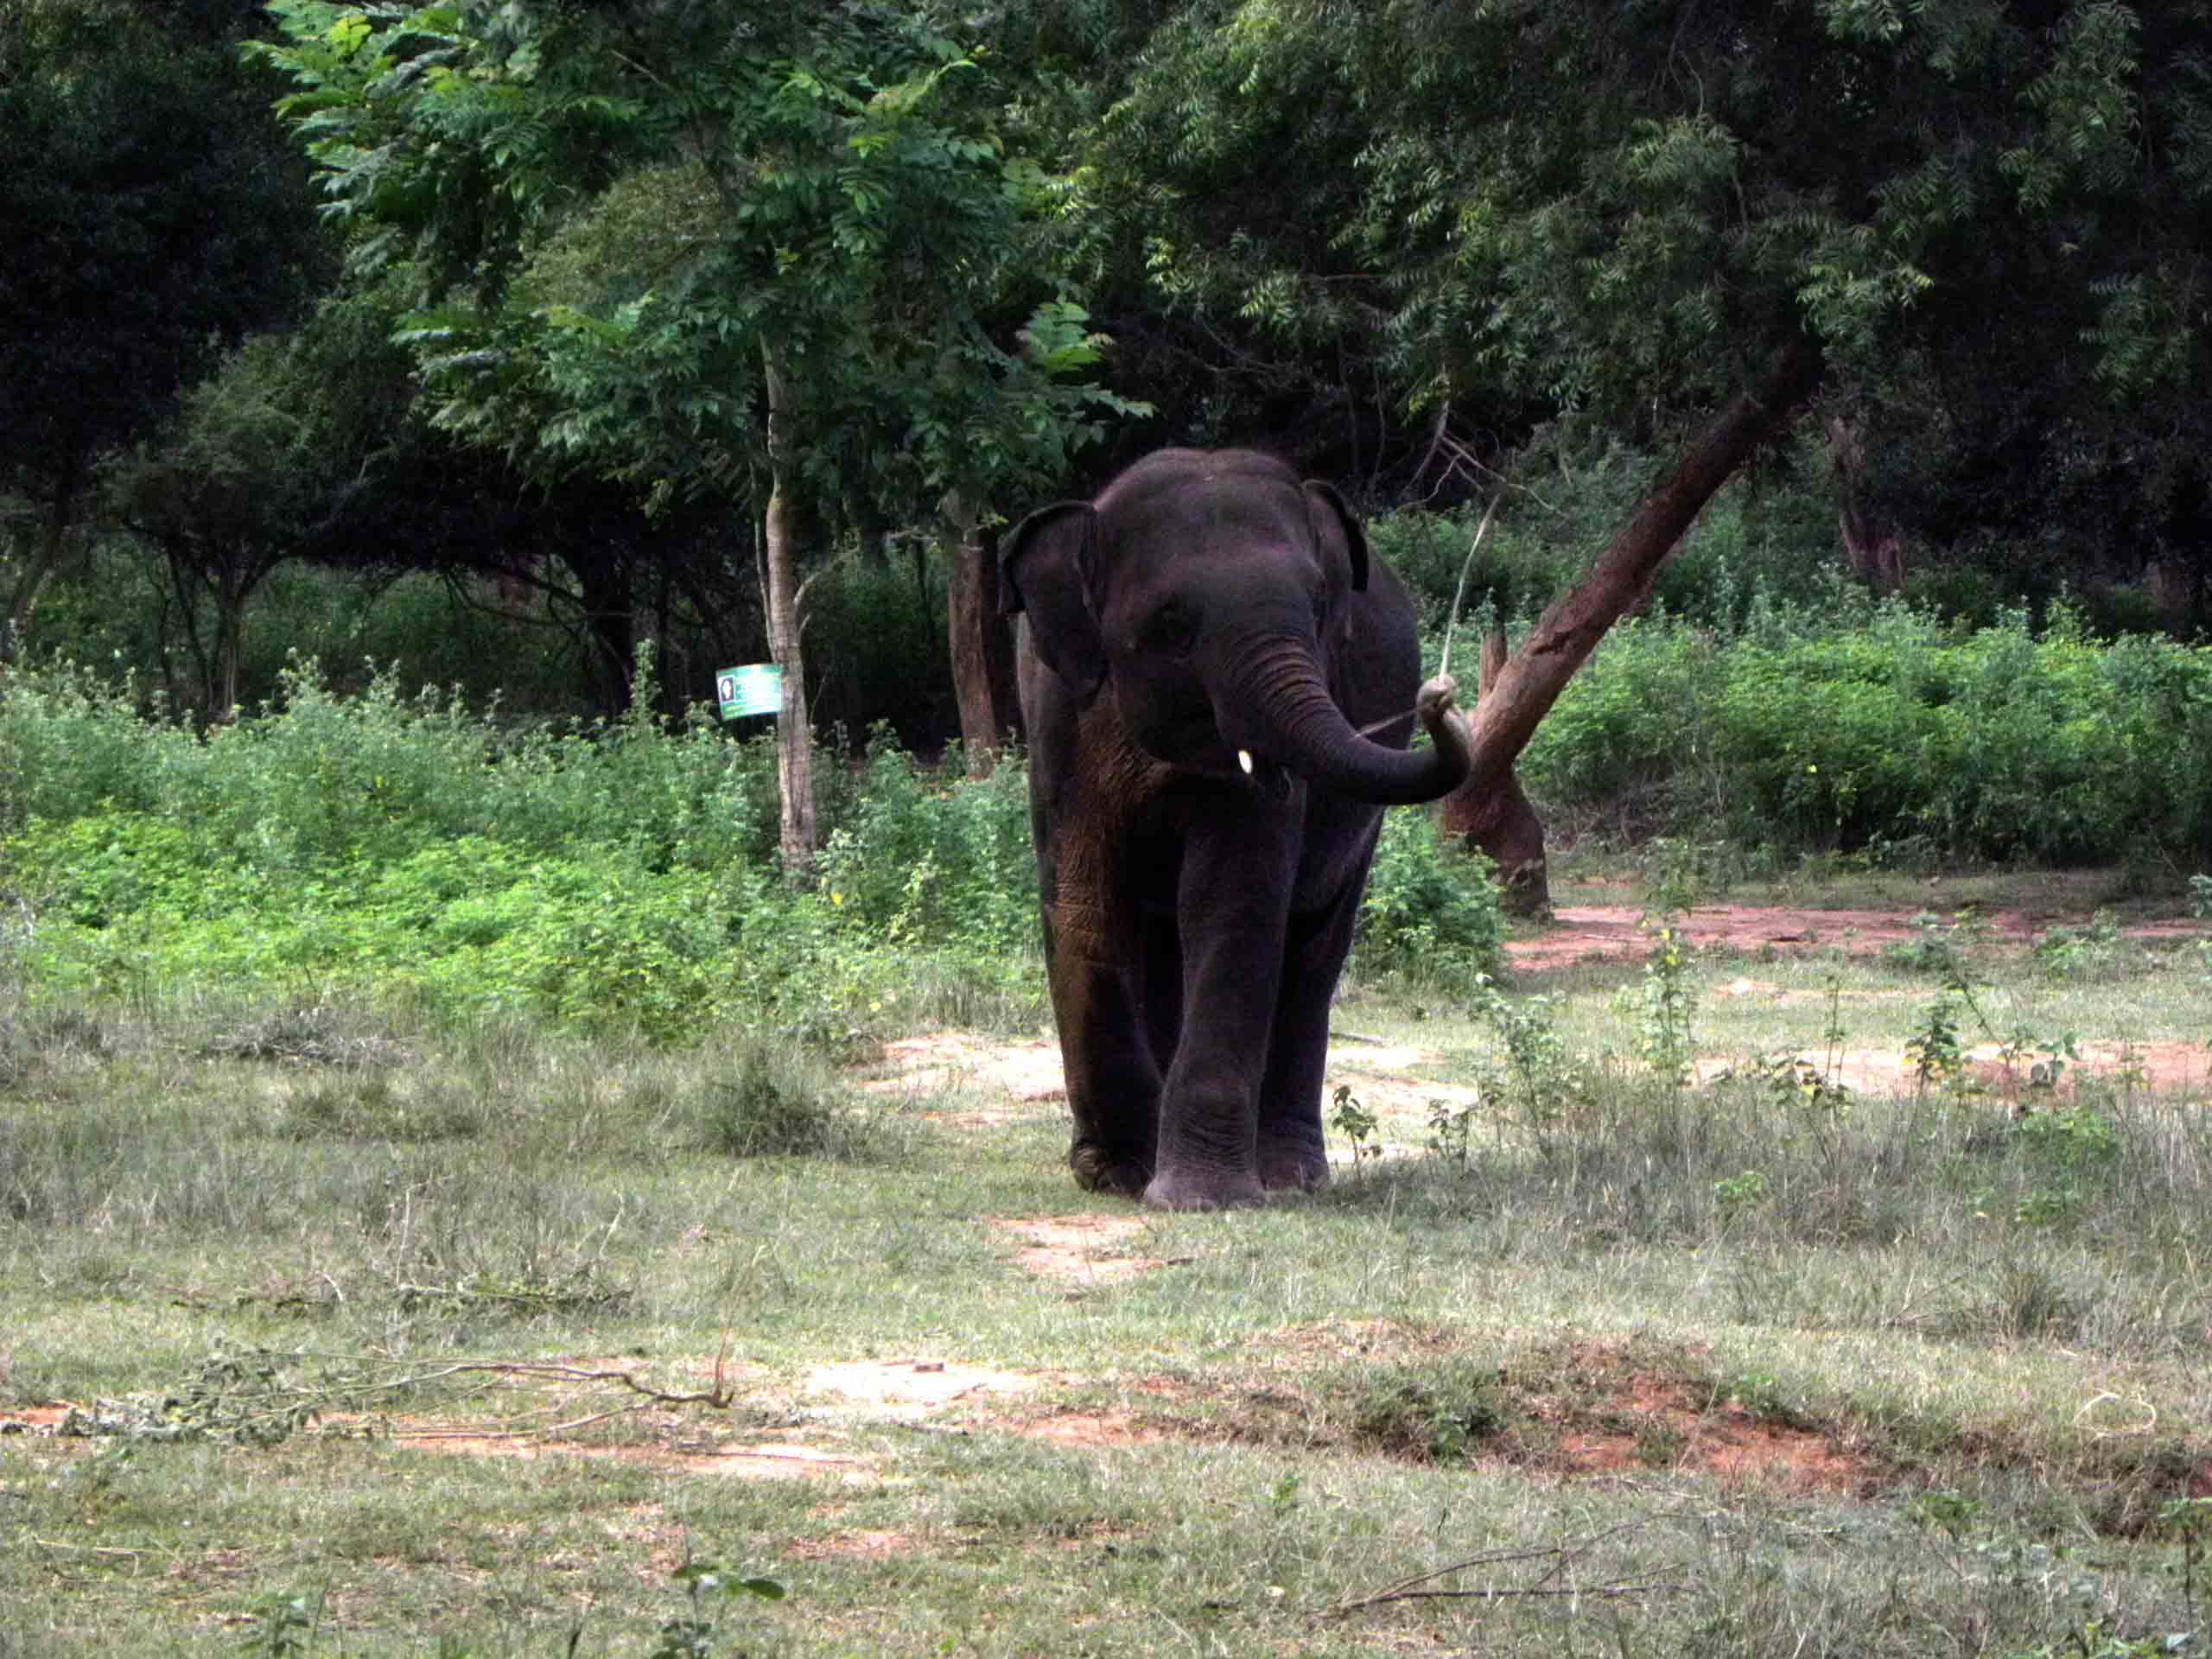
x,y
1524,691
1501,821
230,645
980,641
794,737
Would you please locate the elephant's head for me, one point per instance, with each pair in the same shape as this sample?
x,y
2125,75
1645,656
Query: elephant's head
x,y
1210,596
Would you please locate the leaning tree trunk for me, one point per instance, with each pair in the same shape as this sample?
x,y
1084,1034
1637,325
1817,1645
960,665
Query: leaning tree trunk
x,y
794,737
1501,820
1525,689
980,640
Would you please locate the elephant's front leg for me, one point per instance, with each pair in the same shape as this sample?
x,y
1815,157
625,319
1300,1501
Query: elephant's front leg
x,y
1293,1153
1231,905
1112,1081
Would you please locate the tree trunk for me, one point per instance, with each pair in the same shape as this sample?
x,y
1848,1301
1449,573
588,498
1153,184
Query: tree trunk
x,y
794,737
53,542
230,646
1527,687
980,640
1501,821
605,586
1870,548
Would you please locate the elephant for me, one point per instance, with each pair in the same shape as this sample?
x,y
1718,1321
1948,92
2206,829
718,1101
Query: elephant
x,y
1197,650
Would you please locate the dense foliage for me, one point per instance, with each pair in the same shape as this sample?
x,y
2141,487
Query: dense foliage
x,y
617,875
1806,731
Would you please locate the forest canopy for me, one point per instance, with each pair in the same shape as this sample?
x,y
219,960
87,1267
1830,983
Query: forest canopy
x,y
509,294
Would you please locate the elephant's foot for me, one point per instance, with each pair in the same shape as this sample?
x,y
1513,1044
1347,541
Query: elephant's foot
x,y
1181,1189
1292,1166
1097,1169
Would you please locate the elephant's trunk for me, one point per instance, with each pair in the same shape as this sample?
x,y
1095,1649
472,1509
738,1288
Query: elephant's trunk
x,y
1274,703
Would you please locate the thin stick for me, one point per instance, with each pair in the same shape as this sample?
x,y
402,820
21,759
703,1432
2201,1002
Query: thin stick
x,y
1466,565
1505,1592
1560,1556
1444,664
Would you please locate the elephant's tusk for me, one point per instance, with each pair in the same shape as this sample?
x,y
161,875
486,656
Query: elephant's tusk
x,y
1244,759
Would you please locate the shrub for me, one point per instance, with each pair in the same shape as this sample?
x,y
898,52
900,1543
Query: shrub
x,y
1431,912
1995,744
762,1099
936,859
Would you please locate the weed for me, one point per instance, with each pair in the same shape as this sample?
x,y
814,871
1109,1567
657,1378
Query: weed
x,y
1666,1004
760,1100
1450,1131
1430,913
2189,1519
2076,952
1947,950
1540,1083
283,1627
1357,1124
1436,1413
1761,1394
1738,1195
1937,1055
694,1634
1659,1443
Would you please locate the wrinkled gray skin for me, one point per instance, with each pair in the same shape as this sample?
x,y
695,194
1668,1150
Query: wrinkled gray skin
x,y
1197,914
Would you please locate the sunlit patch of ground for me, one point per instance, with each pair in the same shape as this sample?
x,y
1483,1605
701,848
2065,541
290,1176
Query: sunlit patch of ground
x,y
1082,1249
1010,1073
905,1389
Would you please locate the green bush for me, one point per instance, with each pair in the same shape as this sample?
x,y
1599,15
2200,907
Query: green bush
x,y
2000,743
614,874
1431,912
932,858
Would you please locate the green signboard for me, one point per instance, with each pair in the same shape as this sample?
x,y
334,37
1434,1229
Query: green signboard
x,y
757,690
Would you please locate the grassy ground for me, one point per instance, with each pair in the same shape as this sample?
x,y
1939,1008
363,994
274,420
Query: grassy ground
x,y
326,1334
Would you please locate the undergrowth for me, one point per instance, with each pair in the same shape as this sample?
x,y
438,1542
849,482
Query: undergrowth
x,y
1881,727
617,876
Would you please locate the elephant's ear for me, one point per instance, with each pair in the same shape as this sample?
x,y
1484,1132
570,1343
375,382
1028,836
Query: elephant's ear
x,y
1335,527
1044,569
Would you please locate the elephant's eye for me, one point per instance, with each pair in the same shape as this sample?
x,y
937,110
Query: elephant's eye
x,y
1172,628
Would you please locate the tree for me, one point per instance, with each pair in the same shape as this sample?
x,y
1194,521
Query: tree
x,y
716,255
150,216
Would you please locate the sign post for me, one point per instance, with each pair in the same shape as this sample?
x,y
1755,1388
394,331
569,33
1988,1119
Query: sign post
x,y
756,689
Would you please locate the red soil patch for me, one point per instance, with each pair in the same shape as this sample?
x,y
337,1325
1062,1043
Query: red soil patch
x,y
909,1389
865,1545
1018,1072
1583,932
1649,1420
1093,1430
35,1419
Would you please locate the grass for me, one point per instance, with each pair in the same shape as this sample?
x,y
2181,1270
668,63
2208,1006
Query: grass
x,y
270,1251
